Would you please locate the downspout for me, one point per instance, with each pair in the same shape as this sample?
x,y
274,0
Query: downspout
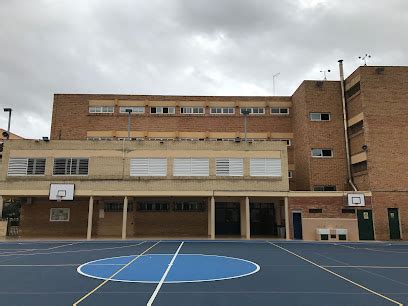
x,y
346,137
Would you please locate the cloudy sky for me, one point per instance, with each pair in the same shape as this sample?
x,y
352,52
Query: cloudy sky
x,y
183,47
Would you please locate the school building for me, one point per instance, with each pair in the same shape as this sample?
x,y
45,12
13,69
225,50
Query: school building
x,y
327,163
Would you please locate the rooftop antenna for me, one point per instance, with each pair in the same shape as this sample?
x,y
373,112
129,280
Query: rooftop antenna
x,y
365,58
325,73
273,82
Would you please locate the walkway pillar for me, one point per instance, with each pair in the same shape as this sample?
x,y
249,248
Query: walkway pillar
x,y
247,219
1,206
212,218
90,215
124,218
287,230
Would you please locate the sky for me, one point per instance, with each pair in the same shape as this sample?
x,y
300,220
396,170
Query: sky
x,y
183,47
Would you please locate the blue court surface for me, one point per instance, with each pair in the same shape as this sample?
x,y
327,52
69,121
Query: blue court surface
x,y
237,272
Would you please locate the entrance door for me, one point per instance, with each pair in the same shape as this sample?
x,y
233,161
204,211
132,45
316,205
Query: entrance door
x,y
297,225
227,219
365,224
393,221
262,219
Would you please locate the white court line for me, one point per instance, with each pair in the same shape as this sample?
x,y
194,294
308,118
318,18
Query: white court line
x,y
367,267
59,265
338,275
156,291
30,250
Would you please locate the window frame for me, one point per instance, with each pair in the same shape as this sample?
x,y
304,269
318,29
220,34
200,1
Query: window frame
x,y
192,108
229,160
290,174
162,108
323,187
25,165
322,155
101,107
60,208
252,167
280,113
122,110
191,160
320,116
149,166
70,168
252,111
222,111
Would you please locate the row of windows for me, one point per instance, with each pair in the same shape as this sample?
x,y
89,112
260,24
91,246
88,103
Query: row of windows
x,y
343,211
150,166
188,110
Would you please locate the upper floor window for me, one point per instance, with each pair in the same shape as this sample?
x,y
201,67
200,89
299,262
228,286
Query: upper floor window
x,y
70,166
26,166
324,188
279,110
265,167
353,90
134,109
189,206
253,110
229,167
222,110
154,206
192,110
162,110
148,167
287,141
101,109
322,153
290,174
319,116
191,167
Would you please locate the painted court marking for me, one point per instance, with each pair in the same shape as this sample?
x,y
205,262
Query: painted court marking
x,y
338,275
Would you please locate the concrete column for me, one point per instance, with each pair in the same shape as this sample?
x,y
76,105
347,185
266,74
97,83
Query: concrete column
x,y
124,218
212,218
247,219
1,206
90,216
287,230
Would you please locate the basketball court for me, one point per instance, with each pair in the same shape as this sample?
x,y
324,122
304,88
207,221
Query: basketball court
x,y
237,272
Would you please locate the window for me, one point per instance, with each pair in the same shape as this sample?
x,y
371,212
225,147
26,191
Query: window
x,y
322,152
290,174
288,141
70,166
135,109
229,166
153,206
348,211
192,110
26,166
359,167
148,166
253,110
356,128
353,90
324,188
101,109
59,214
189,206
222,110
319,116
279,111
315,210
116,206
162,110
265,167
190,167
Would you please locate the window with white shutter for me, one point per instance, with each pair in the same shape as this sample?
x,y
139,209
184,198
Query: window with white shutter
x,y
148,167
229,167
26,166
70,166
190,167
266,167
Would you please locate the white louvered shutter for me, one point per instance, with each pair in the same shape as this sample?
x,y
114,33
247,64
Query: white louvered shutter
x,y
266,167
17,167
190,167
229,167
148,167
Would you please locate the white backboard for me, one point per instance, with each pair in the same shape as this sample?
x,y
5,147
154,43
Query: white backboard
x,y
355,199
62,192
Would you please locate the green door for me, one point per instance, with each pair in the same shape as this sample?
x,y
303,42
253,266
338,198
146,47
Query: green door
x,y
365,224
393,221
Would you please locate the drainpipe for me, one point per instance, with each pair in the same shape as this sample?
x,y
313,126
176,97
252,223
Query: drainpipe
x,y
346,138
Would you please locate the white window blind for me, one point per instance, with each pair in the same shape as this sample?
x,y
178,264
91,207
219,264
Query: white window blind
x,y
148,167
26,166
190,167
266,167
229,167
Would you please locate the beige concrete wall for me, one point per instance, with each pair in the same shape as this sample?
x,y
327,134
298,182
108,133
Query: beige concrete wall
x,y
309,226
3,228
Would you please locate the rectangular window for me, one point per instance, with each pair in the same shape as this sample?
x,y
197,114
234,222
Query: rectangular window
x,y
290,174
348,211
287,141
59,214
356,128
70,166
148,166
189,206
279,111
322,153
265,167
359,167
191,167
229,167
153,206
26,166
116,206
101,109
353,90
192,110
162,110
135,109
222,110
324,188
319,116
252,110
315,210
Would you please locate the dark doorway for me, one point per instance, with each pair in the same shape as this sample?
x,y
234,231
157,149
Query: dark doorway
x,y
393,221
297,225
227,219
262,219
365,224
